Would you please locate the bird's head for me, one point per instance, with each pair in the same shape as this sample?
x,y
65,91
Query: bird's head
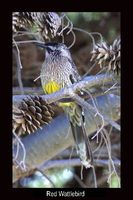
x,y
56,49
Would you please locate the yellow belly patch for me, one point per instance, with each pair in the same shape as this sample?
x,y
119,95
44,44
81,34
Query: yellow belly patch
x,y
68,104
51,87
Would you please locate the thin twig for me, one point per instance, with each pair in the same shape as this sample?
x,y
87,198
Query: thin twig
x,y
113,123
90,69
76,177
98,147
18,54
21,164
112,87
97,33
19,73
97,113
28,41
46,177
22,33
94,176
17,151
108,145
74,39
73,162
81,30
87,82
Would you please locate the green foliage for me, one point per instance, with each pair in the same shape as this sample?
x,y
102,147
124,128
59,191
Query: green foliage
x,y
106,23
86,16
114,181
59,178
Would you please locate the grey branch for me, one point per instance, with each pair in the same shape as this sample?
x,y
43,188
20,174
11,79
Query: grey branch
x,y
74,162
49,141
87,83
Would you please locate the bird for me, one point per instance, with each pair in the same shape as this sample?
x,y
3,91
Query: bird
x,y
59,71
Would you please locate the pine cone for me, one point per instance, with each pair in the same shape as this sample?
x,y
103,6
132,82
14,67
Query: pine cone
x,y
108,56
47,23
31,114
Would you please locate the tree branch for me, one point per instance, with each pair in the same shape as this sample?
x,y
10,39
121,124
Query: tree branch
x,y
74,162
45,143
87,83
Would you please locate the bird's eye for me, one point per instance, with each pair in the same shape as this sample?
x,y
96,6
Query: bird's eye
x,y
49,49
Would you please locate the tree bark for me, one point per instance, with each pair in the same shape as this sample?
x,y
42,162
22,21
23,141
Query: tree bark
x,y
46,143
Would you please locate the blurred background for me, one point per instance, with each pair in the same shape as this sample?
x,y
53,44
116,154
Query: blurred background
x,y
107,24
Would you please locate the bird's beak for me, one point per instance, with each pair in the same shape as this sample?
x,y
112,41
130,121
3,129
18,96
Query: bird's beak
x,y
41,45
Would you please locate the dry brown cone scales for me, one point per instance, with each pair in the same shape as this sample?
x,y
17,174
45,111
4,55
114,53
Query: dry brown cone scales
x,y
47,23
108,56
30,115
